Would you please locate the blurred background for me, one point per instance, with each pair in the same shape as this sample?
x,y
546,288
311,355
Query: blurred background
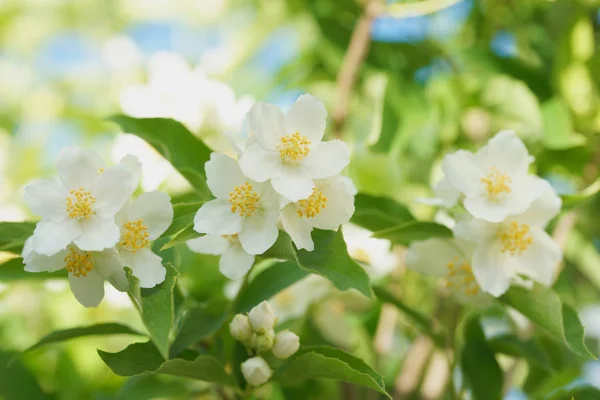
x,y
404,83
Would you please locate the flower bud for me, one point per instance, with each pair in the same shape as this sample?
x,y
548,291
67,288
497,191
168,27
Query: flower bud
x,y
262,318
286,344
240,328
256,371
263,342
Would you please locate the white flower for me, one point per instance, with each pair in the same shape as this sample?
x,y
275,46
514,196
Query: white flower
x,y
518,245
87,270
240,328
449,259
286,344
243,207
234,263
262,319
256,371
329,205
376,255
293,301
141,222
82,207
289,151
494,181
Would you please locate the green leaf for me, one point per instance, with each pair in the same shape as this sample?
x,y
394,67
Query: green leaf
x,y
144,387
329,363
479,364
197,323
17,382
176,143
513,346
140,358
573,200
183,217
82,331
268,283
544,308
377,213
577,389
558,126
413,231
14,234
181,237
156,307
13,270
329,259
423,322
390,118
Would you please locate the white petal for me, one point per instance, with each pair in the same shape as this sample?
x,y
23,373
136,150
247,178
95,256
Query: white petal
x,y
476,230
295,183
95,158
259,164
39,263
308,117
209,244
297,227
431,256
47,199
50,237
134,167
108,264
146,266
235,262
89,289
222,175
267,122
544,208
339,207
505,152
462,171
215,217
153,208
541,259
327,159
259,232
76,167
27,247
493,269
111,190
97,234
447,193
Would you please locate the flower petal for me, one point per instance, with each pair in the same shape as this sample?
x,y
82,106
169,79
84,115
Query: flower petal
x,y
268,123
431,256
222,175
307,116
544,208
541,259
146,266
259,164
77,167
39,263
97,234
476,230
89,289
153,208
339,207
134,167
111,190
505,152
209,244
50,237
108,264
235,262
493,269
215,217
462,171
446,193
259,232
47,199
298,228
295,183
327,159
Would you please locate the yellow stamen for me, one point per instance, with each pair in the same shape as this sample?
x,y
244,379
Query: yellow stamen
x,y
135,236
80,203
294,147
313,205
78,263
244,200
496,183
516,238
460,277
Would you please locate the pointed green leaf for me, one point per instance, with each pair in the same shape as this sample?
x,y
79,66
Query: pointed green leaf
x,y
13,270
197,323
413,231
183,217
377,213
14,234
513,346
182,237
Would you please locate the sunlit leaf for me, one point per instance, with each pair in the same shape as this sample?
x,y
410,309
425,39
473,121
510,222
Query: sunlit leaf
x,y
413,231
376,213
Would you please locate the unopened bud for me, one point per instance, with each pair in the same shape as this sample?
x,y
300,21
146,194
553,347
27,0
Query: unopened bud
x,y
256,371
286,344
240,328
263,342
262,318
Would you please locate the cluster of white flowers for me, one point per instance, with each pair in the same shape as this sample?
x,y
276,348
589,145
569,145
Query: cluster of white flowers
x,y
285,176
500,239
256,332
90,228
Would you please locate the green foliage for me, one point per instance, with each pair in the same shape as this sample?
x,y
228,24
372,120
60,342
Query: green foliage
x,y
198,323
377,213
17,381
14,234
414,231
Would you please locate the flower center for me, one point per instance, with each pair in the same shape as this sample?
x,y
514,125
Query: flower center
x,y
244,200
313,205
135,236
80,203
460,277
231,238
496,183
293,148
516,238
78,263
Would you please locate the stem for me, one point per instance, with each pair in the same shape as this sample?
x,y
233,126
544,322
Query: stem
x,y
236,300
